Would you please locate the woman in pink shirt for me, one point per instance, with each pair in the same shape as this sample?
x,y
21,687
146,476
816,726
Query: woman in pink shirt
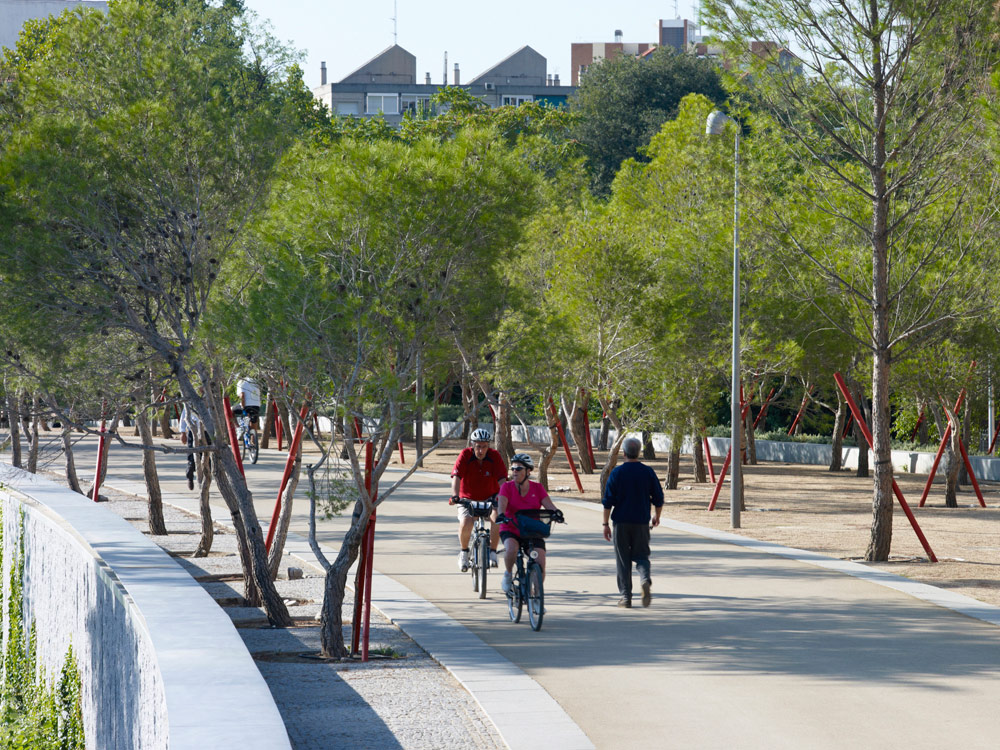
x,y
516,495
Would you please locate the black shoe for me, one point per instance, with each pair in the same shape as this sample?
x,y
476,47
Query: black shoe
x,y
646,596
625,603
190,483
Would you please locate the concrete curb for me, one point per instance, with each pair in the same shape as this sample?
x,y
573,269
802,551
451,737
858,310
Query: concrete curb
x,y
215,695
523,713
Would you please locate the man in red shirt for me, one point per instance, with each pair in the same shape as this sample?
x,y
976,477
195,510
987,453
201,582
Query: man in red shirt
x,y
477,475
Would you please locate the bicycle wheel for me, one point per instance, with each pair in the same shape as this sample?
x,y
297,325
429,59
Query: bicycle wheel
x,y
252,446
484,563
536,597
474,563
514,600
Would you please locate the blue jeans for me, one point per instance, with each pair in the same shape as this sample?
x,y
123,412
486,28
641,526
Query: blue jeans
x,y
631,546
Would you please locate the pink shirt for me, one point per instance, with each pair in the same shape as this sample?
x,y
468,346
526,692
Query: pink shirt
x,y
531,501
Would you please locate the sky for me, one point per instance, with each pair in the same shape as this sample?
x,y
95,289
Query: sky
x,y
475,34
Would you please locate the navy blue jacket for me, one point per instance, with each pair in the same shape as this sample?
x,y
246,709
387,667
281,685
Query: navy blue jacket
x,y
630,490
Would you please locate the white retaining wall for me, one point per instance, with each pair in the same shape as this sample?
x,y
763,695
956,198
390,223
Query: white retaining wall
x,y
986,469
161,664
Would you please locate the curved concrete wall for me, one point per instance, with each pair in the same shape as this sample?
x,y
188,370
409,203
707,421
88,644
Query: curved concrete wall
x,y
161,664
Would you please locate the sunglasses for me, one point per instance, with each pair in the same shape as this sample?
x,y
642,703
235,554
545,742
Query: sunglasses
x,y
517,468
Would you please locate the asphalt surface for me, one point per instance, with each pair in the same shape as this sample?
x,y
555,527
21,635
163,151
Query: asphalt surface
x,y
739,649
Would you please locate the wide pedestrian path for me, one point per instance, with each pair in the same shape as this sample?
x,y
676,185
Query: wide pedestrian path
x,y
740,648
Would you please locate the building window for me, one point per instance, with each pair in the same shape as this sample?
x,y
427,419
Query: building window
x,y
414,103
348,108
514,101
387,104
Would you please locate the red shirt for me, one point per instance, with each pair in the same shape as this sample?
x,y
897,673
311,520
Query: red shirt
x,y
480,480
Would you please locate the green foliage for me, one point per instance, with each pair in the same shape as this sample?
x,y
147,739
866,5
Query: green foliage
x,y
622,103
34,714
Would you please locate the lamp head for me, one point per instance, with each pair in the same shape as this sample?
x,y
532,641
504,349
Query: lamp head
x,y
715,123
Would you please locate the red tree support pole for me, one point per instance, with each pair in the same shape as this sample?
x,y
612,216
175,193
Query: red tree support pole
x,y
763,409
100,457
402,458
920,421
972,475
725,465
231,429
708,458
562,436
369,560
940,452
293,449
802,408
847,424
895,487
993,442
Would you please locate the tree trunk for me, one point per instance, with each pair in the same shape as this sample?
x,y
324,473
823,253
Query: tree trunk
x,y
549,451
469,407
502,435
268,426
602,441
33,449
612,461
674,461
331,615
648,452
436,430
286,426
882,497
700,470
164,416
157,527
923,433
963,474
71,477
203,471
750,439
952,463
14,421
837,439
859,435
578,429
284,518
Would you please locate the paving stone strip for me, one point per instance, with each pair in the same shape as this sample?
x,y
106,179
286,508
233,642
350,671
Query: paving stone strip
x,y
402,699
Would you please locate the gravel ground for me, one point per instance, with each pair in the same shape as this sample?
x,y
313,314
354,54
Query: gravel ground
x,y
403,699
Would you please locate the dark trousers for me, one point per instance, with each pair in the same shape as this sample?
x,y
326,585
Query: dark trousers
x,y
631,546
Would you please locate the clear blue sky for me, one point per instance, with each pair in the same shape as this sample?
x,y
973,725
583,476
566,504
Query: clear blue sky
x,y
475,34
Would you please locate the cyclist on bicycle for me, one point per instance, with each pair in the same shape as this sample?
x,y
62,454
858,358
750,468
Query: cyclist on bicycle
x,y
249,400
520,494
477,475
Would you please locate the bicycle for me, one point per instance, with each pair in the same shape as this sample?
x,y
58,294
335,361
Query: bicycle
x,y
480,549
246,436
526,585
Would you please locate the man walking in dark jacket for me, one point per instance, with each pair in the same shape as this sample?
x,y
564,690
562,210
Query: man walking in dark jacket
x,y
631,489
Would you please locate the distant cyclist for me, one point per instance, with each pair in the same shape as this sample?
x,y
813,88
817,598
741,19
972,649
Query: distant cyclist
x,y
249,393
478,472
520,494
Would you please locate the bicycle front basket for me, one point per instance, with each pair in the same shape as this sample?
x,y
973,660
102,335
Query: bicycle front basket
x,y
480,508
532,528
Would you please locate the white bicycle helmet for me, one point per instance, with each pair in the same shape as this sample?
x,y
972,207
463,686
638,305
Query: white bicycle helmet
x,y
524,459
481,435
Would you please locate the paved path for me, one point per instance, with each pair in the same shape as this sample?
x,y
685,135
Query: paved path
x,y
739,649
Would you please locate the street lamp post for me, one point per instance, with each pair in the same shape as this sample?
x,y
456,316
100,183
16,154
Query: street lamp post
x,y
715,124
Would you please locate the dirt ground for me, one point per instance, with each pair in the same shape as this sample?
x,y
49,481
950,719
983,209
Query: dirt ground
x,y
808,507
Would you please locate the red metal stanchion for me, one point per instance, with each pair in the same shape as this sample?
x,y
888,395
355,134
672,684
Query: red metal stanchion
x,y
993,442
920,421
802,408
562,436
100,457
763,409
293,450
940,452
369,561
725,465
708,459
231,428
361,577
972,474
402,458
895,487
847,424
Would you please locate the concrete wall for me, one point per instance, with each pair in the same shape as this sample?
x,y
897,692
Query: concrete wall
x,y
986,469
161,664
13,14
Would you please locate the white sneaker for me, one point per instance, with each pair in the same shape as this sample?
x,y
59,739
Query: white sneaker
x,y
493,559
463,560
505,582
